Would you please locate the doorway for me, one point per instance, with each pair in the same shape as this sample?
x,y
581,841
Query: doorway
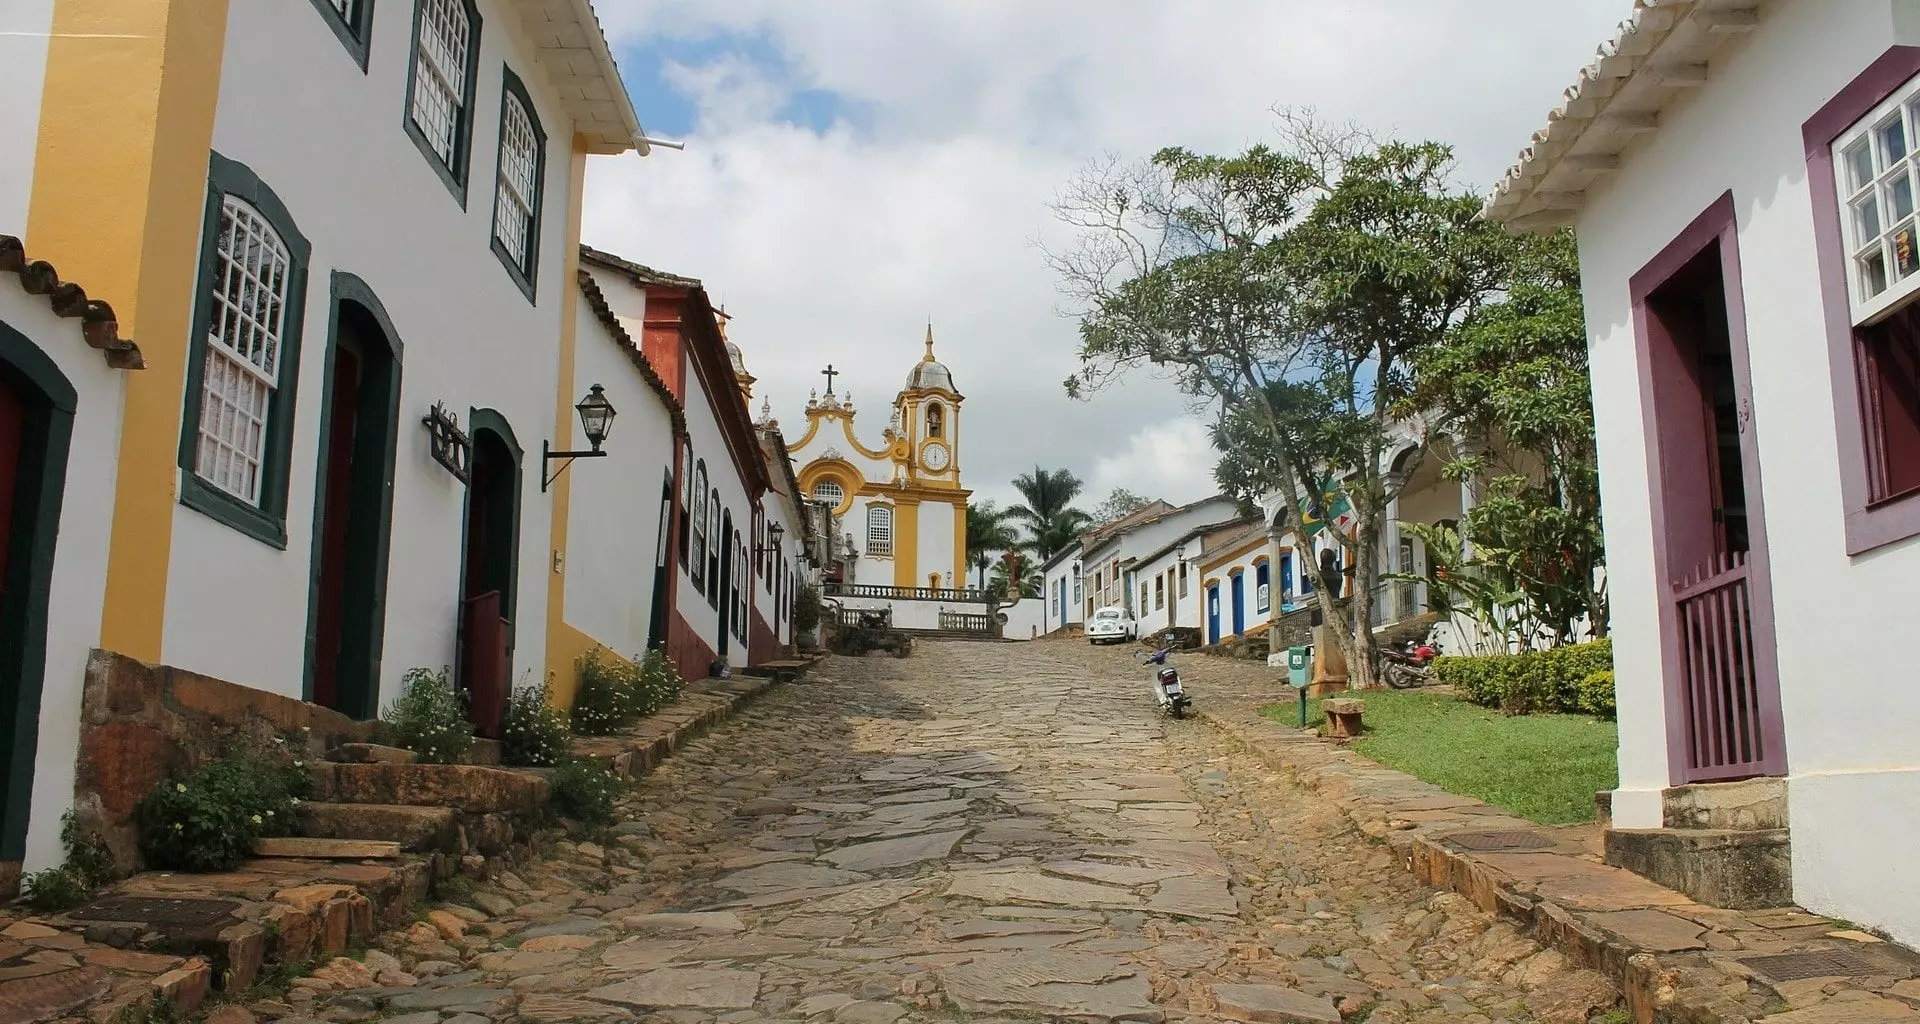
x,y
489,571
1723,702
1213,613
1239,598
36,429
353,506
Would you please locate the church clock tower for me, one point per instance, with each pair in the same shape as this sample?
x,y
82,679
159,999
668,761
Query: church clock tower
x,y
927,412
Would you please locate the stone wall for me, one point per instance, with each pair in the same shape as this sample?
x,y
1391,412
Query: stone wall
x,y
141,722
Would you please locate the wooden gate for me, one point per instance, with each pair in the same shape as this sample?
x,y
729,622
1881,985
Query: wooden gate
x,y
1720,682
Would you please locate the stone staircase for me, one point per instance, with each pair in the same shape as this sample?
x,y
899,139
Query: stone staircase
x,y
963,636
1725,844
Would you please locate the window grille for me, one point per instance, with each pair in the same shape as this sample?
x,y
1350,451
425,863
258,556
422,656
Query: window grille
x,y
829,491
440,78
515,203
880,531
250,276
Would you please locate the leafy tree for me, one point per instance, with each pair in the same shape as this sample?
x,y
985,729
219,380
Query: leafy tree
x,y
1516,371
1118,505
988,533
1290,289
1048,514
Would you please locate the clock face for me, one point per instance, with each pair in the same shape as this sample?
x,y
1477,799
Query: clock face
x,y
934,456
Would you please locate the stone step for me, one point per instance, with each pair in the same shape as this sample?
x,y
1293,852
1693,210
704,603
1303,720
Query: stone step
x,y
412,828
468,788
326,849
1734,869
371,753
1746,804
484,752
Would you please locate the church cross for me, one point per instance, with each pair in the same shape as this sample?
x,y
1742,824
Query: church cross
x,y
830,373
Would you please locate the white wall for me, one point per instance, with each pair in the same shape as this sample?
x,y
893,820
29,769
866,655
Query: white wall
x,y
723,474
1253,622
613,521
936,545
364,195
80,555
1024,619
1840,620
777,507
1062,574
24,31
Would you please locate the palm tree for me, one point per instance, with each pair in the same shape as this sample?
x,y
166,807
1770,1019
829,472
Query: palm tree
x,y
1029,576
1048,515
987,533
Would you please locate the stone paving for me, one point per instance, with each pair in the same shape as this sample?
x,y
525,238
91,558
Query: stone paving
x,y
1675,959
979,832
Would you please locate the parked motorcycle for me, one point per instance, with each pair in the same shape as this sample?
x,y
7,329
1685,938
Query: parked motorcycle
x,y
1167,692
1410,666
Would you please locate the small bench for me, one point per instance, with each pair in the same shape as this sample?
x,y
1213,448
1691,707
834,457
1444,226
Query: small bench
x,y
1343,717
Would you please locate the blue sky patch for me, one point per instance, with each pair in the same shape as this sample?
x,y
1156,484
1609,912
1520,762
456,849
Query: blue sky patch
x,y
671,113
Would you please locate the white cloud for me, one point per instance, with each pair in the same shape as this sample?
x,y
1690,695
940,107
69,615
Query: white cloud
x,y
1172,460
837,245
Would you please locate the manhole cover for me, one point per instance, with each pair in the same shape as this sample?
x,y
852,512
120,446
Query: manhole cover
x,y
156,911
1819,964
1488,842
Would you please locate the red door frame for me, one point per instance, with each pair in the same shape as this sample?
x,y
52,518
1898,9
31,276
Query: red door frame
x,y
1719,223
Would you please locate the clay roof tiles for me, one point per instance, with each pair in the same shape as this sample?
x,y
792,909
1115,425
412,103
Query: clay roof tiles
x,y
98,325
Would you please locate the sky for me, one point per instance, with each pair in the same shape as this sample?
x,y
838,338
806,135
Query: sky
x,y
857,168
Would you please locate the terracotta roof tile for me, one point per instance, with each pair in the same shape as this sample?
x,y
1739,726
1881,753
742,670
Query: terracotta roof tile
x,y
98,325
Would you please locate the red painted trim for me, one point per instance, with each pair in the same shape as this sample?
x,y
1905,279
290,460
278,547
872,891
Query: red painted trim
x,y
1719,222
1867,526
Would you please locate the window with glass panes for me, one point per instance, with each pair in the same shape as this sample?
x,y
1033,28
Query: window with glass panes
x,y
442,60
830,492
516,204
880,531
252,268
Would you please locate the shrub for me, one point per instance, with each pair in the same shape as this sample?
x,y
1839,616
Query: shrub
x,y
806,609
536,733
1551,680
660,683
1596,694
610,696
89,866
585,791
207,818
430,717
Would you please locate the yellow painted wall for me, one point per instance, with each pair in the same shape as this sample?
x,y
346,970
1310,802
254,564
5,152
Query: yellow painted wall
x,y
565,644
906,543
119,187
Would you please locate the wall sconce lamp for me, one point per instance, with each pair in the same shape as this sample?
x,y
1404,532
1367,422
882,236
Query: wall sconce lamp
x,y
596,419
778,533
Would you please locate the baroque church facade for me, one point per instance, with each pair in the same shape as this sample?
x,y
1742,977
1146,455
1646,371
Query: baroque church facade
x,y
901,506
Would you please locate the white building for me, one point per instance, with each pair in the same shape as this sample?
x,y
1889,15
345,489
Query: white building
x,y
312,278
902,505
1739,178
1114,552
1061,585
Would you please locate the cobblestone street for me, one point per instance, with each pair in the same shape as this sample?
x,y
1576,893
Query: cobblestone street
x,y
978,831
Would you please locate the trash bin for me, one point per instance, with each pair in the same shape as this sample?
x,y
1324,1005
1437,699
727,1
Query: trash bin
x,y
1298,662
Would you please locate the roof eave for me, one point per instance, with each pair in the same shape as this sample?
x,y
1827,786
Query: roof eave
x,y
1659,55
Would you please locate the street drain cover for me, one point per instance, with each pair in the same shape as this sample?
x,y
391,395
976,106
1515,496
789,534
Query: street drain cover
x,y
156,911
1819,964
1490,842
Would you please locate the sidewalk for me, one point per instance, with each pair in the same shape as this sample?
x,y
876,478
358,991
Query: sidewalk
x,y
1673,959
182,936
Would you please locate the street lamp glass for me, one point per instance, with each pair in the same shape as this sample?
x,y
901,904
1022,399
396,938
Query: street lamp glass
x,y
779,532
596,416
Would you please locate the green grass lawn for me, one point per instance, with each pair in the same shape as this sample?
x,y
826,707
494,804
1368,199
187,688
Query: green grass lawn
x,y
1545,768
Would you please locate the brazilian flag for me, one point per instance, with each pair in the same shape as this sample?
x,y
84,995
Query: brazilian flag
x,y
1339,511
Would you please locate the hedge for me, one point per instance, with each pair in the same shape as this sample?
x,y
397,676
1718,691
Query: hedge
x,y
1565,679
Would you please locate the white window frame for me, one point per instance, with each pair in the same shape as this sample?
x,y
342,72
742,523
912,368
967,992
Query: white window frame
x,y
516,207
880,534
432,39
839,493
253,273
1902,108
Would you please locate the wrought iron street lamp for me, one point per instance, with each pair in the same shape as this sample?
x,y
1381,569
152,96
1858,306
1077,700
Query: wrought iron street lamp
x,y
775,534
596,420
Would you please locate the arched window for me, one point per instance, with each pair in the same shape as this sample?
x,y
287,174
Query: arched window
x,y
252,276
686,500
880,531
516,201
713,547
830,492
700,533
936,419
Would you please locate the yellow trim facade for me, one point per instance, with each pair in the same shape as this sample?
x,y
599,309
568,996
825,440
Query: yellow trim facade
x,y
906,542
1210,564
119,189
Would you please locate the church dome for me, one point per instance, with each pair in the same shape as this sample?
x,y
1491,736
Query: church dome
x,y
739,361
930,373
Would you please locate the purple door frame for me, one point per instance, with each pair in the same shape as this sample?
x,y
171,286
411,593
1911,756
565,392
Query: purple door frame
x,y
1719,223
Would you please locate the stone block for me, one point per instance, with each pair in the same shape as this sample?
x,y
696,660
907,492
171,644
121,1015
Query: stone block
x,y
1733,870
243,948
185,986
1274,1003
1747,805
1343,717
474,789
325,849
371,753
293,931
412,828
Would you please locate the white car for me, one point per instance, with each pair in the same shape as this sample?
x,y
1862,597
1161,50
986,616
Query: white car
x,y
1112,625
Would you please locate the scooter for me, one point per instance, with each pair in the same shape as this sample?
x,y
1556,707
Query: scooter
x,y
1167,691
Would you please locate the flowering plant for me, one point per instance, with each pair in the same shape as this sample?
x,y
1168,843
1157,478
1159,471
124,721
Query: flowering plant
x,y
207,818
430,717
536,734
